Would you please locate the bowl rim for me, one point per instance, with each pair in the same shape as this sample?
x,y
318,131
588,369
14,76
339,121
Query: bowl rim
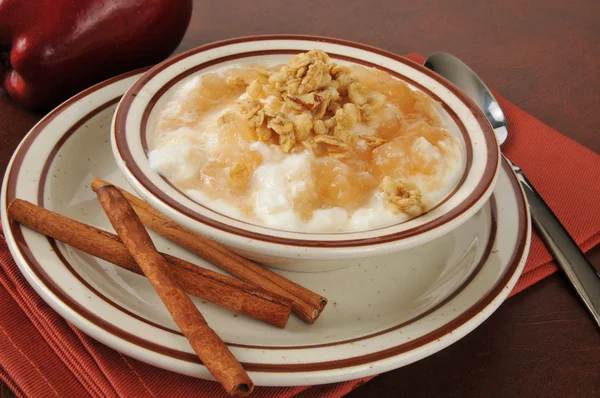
x,y
158,197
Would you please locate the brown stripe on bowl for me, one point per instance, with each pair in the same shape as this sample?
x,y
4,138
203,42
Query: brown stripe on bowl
x,y
124,150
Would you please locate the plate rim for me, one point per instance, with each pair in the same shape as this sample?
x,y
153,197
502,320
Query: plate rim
x,y
508,277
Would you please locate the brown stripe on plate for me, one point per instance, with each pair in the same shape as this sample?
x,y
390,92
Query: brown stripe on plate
x,y
484,257
438,333
461,319
53,244
516,257
123,147
41,202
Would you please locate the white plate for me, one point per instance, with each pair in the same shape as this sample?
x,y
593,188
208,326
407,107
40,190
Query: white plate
x,y
380,316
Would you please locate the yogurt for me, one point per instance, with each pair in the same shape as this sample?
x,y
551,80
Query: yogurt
x,y
182,151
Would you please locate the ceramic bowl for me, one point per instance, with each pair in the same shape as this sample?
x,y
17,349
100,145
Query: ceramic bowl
x,y
132,139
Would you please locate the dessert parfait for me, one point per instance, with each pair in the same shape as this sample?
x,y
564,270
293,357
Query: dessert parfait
x,y
309,146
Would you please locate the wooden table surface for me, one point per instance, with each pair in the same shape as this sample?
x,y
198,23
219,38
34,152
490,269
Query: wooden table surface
x,y
542,56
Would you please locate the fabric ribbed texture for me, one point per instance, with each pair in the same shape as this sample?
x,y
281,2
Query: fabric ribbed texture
x,y
565,174
42,355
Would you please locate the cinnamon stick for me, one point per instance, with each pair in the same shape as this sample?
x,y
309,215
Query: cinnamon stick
x,y
208,345
305,303
219,289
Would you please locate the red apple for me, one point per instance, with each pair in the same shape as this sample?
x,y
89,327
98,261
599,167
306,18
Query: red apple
x,y
51,49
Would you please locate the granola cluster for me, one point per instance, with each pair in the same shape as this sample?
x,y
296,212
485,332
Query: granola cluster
x,y
316,103
402,197
310,101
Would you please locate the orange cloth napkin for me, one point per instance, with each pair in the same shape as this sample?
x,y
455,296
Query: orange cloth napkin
x,y
43,355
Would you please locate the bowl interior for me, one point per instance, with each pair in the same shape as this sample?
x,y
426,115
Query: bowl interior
x,y
133,138
158,103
